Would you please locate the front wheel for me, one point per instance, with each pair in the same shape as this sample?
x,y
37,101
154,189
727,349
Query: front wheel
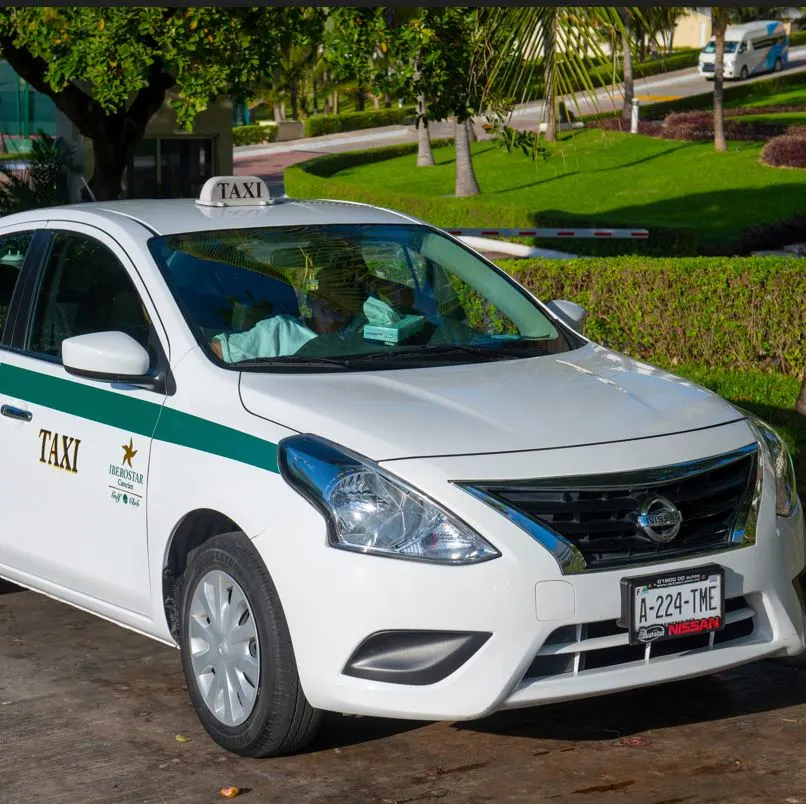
x,y
779,65
744,73
237,655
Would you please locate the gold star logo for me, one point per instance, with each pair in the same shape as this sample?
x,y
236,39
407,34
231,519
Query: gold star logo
x,y
129,452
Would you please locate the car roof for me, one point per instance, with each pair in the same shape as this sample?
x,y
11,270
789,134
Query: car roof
x,y
766,26
174,216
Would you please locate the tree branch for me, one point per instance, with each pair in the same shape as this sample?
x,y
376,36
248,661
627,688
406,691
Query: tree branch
x,y
147,102
76,104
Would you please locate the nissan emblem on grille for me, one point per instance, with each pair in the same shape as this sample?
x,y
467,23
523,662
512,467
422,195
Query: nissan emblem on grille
x,y
660,519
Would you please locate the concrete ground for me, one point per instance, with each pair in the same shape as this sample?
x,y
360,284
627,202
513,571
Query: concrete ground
x,y
89,713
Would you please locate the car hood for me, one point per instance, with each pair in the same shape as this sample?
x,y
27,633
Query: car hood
x,y
588,396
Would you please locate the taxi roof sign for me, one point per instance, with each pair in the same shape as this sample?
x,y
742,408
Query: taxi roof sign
x,y
234,191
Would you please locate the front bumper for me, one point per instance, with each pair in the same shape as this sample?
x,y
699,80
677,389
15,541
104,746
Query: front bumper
x,y
552,636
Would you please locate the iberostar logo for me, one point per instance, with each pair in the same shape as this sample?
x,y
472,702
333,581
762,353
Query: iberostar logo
x,y
129,452
128,486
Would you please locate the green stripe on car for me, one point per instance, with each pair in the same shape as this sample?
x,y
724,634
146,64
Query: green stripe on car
x,y
137,416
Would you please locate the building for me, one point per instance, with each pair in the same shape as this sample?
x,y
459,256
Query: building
x,y
693,29
169,162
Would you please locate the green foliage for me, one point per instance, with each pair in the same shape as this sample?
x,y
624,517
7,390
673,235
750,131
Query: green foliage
x,y
320,124
768,395
680,191
115,51
736,314
251,135
797,38
44,182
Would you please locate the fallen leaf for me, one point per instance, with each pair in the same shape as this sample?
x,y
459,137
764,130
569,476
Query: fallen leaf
x,y
229,792
180,738
634,742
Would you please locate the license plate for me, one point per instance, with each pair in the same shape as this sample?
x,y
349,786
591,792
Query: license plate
x,y
675,604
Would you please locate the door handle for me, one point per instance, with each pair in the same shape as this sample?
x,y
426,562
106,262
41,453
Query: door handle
x,y
16,413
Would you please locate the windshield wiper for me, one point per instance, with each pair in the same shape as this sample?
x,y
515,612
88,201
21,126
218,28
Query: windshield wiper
x,y
292,361
438,350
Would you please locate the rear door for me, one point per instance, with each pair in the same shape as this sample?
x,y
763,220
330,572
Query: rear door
x,y
76,455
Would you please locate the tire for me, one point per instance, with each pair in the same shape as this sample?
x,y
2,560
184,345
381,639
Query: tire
x,y
278,719
744,74
779,65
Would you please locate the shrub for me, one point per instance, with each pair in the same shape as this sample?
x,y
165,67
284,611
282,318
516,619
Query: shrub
x,y
770,236
786,151
320,124
741,313
797,38
699,125
649,128
251,135
44,180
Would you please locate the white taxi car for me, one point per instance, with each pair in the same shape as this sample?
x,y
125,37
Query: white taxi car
x,y
345,463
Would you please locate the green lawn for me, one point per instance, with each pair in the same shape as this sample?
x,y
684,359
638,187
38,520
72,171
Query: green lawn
x,y
786,118
766,93
770,396
605,178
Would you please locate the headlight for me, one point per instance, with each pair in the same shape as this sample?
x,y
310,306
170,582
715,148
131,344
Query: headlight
x,y
371,511
785,493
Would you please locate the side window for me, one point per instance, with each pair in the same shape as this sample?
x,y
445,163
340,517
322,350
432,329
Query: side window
x,y
84,289
13,248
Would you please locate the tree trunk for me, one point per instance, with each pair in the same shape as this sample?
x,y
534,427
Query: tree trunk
x,y
471,131
800,405
387,100
360,98
466,183
294,97
626,53
719,25
315,106
114,136
550,91
335,101
425,156
376,102
279,112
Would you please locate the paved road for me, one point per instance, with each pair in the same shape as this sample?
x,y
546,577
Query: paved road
x,y
269,161
89,713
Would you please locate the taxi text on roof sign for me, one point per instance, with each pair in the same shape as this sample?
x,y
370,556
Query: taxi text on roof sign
x,y
225,191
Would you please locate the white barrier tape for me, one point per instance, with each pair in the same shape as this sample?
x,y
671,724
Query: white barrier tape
x,y
624,234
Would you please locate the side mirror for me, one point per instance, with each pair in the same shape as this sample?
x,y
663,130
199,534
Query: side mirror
x,y
108,356
570,312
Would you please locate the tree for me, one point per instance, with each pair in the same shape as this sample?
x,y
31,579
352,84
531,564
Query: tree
x,y
351,43
553,48
109,70
800,404
626,60
720,17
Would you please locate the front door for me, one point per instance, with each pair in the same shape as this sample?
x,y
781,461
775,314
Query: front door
x,y
76,451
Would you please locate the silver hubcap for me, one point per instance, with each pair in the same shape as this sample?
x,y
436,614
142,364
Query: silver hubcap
x,y
224,648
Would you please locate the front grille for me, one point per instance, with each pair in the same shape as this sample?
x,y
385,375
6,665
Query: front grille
x,y
597,516
575,649
707,68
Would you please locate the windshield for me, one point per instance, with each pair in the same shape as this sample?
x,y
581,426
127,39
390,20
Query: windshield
x,y
730,47
355,297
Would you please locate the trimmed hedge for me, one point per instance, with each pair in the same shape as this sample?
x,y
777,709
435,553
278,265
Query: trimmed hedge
x,y
743,313
786,151
251,135
797,38
317,125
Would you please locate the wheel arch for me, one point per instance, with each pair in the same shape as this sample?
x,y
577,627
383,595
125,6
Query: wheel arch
x,y
192,531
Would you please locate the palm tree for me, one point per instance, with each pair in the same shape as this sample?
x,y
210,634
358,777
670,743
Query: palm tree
x,y
551,46
626,60
720,17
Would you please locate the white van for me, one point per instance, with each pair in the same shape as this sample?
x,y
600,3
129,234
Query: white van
x,y
756,47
